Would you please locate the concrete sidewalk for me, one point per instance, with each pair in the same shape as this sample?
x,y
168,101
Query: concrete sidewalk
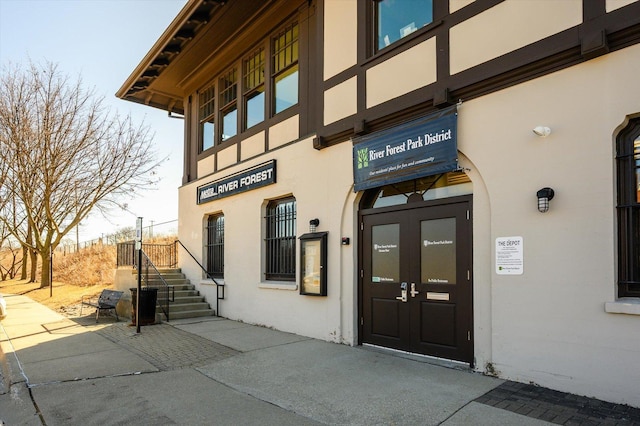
x,y
58,370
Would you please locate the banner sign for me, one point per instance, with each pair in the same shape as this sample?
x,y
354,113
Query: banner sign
x,y
261,175
423,147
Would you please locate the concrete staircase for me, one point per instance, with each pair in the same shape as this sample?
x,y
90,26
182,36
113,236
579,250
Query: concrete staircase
x,y
188,303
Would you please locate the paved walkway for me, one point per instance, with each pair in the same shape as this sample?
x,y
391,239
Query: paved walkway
x,y
58,370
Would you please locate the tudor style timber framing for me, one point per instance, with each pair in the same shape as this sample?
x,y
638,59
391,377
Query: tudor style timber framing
x,y
599,33
210,35
359,75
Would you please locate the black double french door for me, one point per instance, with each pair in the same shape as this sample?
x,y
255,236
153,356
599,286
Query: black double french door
x,y
416,282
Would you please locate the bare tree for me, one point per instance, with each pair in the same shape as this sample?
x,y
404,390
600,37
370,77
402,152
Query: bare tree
x,y
9,260
65,154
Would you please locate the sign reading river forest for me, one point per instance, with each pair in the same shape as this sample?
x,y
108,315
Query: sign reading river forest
x,y
246,180
423,147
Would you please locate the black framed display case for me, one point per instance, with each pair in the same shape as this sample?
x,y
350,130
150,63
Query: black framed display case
x,y
313,264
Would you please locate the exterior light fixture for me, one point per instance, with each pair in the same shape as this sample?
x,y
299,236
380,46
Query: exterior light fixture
x,y
544,196
542,131
313,224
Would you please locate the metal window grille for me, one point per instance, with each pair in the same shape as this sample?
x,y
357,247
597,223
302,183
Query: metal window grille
x,y
215,246
281,240
628,173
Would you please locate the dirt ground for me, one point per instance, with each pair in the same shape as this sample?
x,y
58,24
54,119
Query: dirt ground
x,y
63,297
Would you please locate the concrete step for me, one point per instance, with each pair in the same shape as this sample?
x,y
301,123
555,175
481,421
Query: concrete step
x,y
188,303
181,293
176,287
163,270
154,281
172,276
196,306
183,299
191,314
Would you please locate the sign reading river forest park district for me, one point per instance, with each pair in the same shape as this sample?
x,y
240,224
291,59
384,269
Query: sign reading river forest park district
x,y
245,180
422,147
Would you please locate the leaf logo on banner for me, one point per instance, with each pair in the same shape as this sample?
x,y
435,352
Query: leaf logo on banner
x,y
363,158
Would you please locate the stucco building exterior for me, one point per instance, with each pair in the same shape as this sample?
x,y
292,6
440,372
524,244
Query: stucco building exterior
x,y
406,128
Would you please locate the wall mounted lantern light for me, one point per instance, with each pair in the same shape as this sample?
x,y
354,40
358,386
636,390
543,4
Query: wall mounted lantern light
x,y
313,224
542,131
544,196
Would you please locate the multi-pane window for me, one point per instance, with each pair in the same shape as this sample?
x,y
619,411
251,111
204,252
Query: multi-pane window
x,y
396,19
253,85
228,87
628,176
281,240
215,245
260,84
285,68
206,117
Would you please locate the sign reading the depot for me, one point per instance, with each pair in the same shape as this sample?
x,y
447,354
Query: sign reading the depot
x,y
509,256
246,180
422,147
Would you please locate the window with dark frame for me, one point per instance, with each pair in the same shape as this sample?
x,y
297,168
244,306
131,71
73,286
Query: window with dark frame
x,y
285,68
252,90
215,245
228,87
206,117
628,209
280,240
396,19
253,86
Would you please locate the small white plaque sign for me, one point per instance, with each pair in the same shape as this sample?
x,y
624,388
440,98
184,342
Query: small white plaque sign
x,y
509,256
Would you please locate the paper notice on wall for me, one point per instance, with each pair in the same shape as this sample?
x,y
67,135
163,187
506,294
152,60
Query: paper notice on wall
x,y
509,256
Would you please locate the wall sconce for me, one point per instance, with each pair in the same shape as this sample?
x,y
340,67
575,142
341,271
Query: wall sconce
x,y
313,224
542,131
544,196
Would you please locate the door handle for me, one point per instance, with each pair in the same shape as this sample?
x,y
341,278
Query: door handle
x,y
403,292
413,290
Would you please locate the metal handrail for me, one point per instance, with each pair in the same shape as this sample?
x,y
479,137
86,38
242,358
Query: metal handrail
x,y
219,286
163,255
164,307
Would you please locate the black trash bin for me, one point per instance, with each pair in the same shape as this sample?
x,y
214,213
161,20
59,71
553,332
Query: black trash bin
x,y
148,299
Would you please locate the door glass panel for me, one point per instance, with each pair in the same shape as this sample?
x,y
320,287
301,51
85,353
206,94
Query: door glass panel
x,y
438,251
385,253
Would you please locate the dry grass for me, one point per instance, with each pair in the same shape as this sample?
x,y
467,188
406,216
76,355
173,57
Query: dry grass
x,y
85,273
63,297
75,275
92,266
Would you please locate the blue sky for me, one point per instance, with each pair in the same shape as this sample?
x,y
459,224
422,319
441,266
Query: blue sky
x,y
102,41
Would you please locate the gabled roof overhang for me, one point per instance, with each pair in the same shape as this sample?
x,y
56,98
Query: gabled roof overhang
x,y
202,27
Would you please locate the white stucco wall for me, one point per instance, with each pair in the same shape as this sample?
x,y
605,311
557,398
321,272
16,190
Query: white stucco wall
x,y
549,325
546,326
321,182
514,24
403,73
612,5
340,36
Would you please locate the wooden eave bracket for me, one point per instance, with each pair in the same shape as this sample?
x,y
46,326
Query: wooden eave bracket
x,y
359,127
319,143
442,98
594,44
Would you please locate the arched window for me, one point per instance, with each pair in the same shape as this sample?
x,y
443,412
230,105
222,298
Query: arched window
x,y
422,189
628,207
